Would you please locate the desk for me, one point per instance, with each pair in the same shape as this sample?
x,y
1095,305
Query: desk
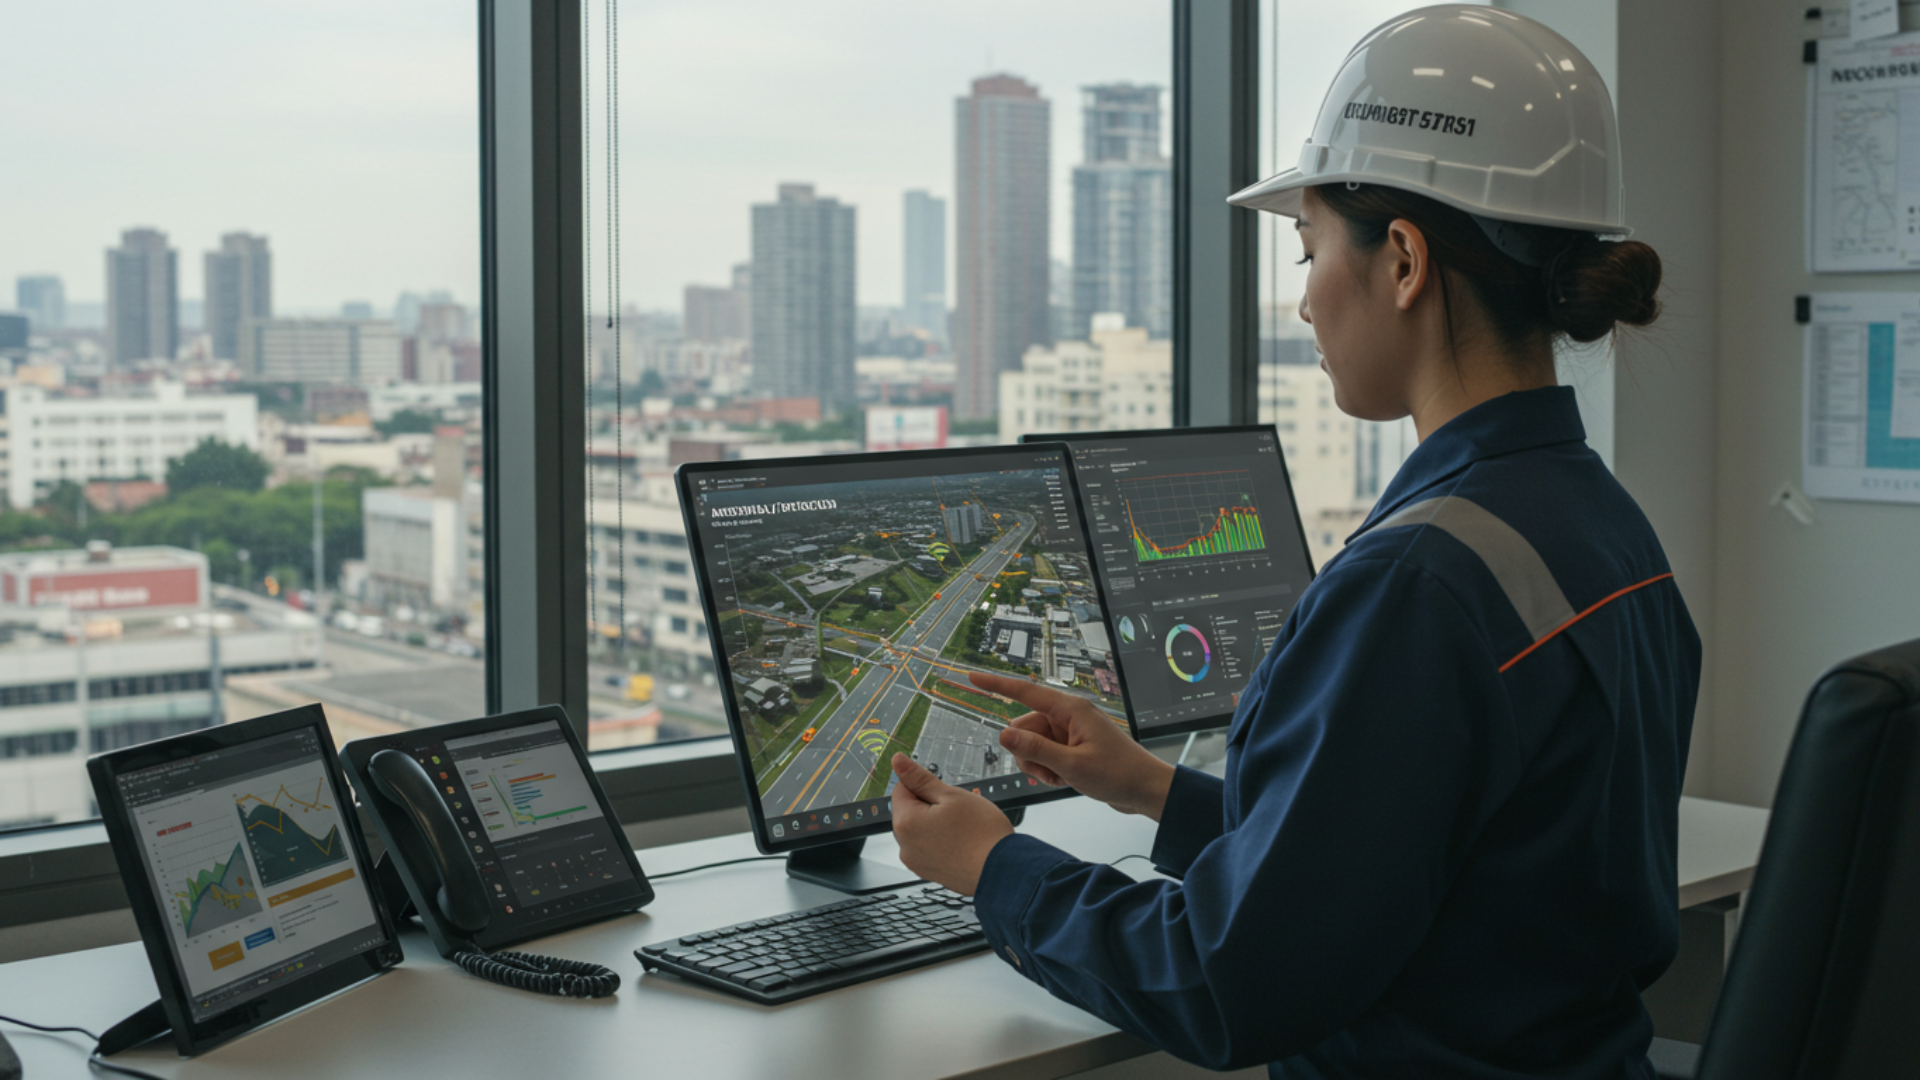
x,y
429,1019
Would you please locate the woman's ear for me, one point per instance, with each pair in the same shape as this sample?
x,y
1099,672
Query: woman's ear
x,y
1408,264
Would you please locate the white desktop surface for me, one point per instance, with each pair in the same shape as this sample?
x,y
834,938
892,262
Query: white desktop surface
x,y
427,1018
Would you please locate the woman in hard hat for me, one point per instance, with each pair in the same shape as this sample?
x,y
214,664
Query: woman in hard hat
x,y
1444,842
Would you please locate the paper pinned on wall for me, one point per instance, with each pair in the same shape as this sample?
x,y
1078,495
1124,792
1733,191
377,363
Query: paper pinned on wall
x,y
1873,19
1861,431
1863,156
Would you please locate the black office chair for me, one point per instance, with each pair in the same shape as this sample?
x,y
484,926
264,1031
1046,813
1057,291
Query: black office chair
x,y
1824,982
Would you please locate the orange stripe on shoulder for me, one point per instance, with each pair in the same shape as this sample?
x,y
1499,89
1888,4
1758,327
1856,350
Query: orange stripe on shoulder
x,y
1551,634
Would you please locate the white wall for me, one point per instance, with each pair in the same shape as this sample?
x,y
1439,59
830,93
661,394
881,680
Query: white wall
x,y
1706,424
1793,598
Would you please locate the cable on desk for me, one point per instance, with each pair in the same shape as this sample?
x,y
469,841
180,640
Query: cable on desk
x,y
711,865
93,1058
1124,858
541,974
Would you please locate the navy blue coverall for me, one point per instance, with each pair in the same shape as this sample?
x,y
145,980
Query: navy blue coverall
x,y
1444,844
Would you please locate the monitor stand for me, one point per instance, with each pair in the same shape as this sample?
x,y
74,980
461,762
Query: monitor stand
x,y
839,866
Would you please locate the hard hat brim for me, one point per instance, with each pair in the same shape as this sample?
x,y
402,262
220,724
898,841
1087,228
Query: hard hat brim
x,y
1281,194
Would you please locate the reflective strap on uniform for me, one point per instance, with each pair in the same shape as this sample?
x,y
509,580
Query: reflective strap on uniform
x,y
1521,572
1604,601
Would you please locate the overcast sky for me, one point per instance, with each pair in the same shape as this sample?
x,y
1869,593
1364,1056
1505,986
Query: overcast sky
x,y
346,130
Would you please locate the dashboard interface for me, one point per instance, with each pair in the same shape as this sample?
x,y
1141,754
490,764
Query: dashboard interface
x,y
852,597
245,851
528,810
1202,557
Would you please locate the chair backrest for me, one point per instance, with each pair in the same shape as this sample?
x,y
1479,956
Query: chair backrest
x,y
1824,981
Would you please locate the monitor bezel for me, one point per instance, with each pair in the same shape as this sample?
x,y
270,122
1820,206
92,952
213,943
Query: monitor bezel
x,y
684,477
192,1036
1215,721
357,754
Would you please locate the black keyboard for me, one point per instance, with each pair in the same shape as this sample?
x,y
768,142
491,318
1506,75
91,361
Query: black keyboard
x,y
790,956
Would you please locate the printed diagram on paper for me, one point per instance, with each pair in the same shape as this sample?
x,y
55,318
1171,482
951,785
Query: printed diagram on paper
x,y
1864,156
1862,413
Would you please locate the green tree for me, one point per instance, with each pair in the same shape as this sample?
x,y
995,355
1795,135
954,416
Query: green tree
x,y
215,464
408,422
652,385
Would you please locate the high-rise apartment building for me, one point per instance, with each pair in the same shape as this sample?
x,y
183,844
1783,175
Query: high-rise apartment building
x,y
1001,162
964,523
43,299
143,297
803,308
239,286
719,312
1123,212
923,293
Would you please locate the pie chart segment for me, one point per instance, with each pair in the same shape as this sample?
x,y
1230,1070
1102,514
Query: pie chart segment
x,y
1188,653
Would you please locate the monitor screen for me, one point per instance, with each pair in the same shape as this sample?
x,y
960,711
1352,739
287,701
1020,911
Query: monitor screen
x,y
1201,557
544,846
849,599
245,852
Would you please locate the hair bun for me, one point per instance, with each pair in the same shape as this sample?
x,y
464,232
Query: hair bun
x,y
1594,285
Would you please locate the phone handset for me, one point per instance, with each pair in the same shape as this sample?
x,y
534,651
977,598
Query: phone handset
x,y
461,900
462,896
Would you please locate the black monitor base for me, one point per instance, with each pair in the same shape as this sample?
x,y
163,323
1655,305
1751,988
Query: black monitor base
x,y
147,1024
839,866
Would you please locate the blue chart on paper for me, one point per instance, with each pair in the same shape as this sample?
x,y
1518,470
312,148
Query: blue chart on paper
x,y
1883,450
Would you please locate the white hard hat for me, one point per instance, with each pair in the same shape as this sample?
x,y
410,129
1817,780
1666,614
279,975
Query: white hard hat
x,y
1484,110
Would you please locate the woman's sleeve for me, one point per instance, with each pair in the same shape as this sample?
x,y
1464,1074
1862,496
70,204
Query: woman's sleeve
x,y
1195,816
1381,724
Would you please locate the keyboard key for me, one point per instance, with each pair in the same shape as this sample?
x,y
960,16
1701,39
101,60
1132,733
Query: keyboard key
x,y
753,973
885,952
771,982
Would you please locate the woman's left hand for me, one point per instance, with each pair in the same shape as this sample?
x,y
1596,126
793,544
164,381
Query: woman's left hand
x,y
944,833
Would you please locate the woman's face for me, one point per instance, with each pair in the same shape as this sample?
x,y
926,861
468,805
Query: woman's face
x,y
1357,322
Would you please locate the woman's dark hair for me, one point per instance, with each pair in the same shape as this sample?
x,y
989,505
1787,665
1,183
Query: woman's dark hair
x,y
1583,287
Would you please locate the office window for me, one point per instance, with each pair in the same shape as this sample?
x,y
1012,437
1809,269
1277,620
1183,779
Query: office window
x,y
264,220
872,226
1340,465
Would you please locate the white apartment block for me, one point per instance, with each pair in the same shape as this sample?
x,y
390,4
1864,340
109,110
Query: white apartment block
x,y
360,352
1318,440
50,438
1118,381
660,597
417,548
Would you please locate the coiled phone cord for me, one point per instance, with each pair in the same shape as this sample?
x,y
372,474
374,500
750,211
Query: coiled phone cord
x,y
541,974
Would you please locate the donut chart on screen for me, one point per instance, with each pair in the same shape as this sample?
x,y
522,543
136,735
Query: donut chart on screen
x,y
1206,653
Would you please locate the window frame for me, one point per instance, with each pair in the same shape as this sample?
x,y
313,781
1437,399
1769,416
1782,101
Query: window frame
x,y
533,312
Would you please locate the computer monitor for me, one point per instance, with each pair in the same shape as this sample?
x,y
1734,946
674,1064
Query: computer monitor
x,y
1201,557
848,598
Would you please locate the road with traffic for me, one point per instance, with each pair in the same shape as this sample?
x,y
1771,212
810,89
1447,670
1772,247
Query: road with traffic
x,y
833,767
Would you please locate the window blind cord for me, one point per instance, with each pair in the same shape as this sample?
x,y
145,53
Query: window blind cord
x,y
93,1056
586,179
614,314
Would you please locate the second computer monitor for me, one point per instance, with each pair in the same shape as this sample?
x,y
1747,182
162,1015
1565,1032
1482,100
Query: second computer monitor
x,y
1201,557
